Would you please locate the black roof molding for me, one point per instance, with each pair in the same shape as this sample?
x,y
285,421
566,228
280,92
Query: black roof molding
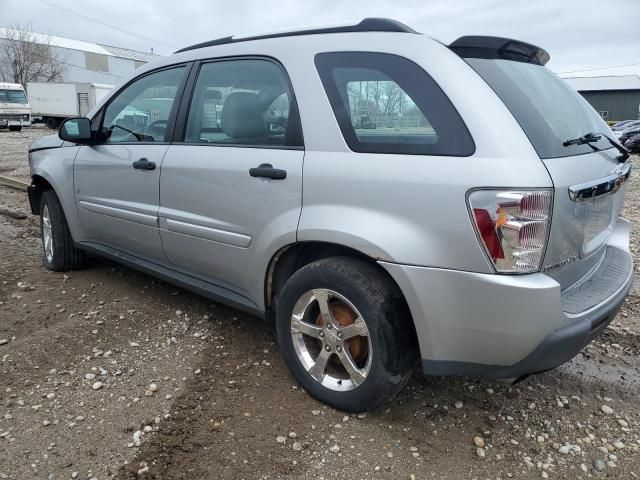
x,y
498,47
366,25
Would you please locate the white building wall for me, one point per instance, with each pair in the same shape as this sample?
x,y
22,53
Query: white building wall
x,y
76,70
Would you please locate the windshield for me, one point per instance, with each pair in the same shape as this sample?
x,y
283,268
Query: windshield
x,y
12,96
546,107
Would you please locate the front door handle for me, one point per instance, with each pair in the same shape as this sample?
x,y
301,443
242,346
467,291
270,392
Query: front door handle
x,y
266,170
144,164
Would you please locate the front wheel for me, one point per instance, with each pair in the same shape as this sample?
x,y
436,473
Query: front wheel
x,y
345,333
59,251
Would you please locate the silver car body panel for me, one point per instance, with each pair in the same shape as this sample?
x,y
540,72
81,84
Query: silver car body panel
x,y
219,223
494,319
54,164
118,205
580,229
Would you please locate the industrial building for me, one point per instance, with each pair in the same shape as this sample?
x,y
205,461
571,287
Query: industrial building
x,y
87,62
613,97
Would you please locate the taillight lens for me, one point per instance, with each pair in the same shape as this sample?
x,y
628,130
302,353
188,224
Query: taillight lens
x,y
513,227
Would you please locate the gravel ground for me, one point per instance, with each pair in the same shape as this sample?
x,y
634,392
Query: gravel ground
x,y
14,147
109,373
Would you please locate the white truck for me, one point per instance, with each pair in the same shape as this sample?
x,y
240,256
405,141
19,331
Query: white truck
x,y
53,101
15,111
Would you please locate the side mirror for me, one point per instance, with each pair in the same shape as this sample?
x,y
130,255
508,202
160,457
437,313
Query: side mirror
x,y
76,130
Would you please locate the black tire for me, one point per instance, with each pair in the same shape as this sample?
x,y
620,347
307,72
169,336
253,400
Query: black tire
x,y
394,352
64,255
15,128
52,123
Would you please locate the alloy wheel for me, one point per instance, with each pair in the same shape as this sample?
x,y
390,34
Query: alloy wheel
x,y
47,236
331,339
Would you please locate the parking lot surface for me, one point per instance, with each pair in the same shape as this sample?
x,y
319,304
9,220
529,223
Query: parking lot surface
x,y
109,373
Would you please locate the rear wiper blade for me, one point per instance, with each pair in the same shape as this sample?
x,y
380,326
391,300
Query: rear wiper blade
x,y
586,138
592,137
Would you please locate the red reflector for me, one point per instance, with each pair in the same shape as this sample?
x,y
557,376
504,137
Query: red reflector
x,y
488,233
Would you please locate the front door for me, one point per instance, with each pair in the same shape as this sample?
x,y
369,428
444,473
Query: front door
x,y
117,181
231,190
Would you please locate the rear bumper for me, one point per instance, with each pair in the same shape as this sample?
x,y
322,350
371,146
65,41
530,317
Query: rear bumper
x,y
509,326
557,348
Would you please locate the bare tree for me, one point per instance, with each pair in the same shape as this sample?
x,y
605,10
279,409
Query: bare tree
x,y
27,56
392,97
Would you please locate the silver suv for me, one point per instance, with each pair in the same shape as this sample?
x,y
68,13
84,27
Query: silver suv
x,y
385,198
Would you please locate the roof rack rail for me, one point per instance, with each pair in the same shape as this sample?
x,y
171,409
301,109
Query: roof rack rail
x,y
367,25
499,47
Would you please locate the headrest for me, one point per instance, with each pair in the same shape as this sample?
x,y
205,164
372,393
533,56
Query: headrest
x,y
212,95
242,116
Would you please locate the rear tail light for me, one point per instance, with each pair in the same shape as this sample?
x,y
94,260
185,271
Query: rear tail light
x,y
513,227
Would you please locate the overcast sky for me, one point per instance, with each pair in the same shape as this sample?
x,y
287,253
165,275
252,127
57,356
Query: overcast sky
x,y
579,34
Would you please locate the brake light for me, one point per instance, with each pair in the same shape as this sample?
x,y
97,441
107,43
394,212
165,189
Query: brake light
x,y
488,233
513,227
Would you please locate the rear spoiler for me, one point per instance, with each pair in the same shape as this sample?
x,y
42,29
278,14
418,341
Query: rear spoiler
x,y
499,48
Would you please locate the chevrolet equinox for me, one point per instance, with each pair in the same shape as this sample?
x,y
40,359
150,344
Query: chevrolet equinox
x,y
388,200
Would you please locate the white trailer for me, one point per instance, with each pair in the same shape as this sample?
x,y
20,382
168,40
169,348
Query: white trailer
x,y
54,102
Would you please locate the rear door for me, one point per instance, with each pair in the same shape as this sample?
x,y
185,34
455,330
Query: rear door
x,y
588,176
117,181
589,195
231,185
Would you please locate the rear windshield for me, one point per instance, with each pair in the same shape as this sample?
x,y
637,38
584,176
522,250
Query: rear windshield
x,y
12,96
546,107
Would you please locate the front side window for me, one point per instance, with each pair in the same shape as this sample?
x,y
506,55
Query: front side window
x,y
140,113
387,104
13,96
242,102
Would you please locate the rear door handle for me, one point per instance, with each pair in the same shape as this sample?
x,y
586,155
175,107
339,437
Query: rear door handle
x,y
144,164
266,170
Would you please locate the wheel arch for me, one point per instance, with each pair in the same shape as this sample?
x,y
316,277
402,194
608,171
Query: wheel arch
x,y
38,186
52,169
289,259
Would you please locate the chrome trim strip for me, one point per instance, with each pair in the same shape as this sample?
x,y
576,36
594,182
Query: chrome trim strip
x,y
603,186
208,233
144,219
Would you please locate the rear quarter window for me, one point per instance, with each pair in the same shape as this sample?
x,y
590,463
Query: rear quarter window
x,y
387,104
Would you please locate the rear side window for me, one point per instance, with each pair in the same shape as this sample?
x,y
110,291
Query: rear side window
x,y
387,104
243,102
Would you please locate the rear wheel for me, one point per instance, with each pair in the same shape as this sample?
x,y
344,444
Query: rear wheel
x,y
15,128
59,251
52,123
345,333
